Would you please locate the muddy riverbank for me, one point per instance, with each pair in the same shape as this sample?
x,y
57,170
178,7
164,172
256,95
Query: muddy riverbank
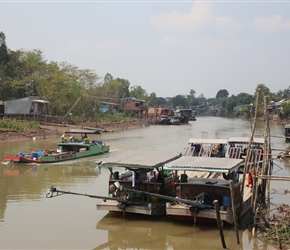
x,y
53,130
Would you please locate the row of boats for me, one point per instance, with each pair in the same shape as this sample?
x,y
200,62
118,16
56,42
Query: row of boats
x,y
183,185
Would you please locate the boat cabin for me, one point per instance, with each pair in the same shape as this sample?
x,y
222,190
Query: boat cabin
x,y
206,147
132,174
203,189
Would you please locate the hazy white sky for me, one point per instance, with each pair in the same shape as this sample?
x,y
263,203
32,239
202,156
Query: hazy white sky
x,y
166,47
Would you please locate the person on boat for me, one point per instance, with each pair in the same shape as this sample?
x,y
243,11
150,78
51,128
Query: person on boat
x,y
232,176
64,138
197,148
218,148
249,182
21,155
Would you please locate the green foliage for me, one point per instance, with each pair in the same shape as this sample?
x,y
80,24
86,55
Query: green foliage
x,y
13,125
286,110
33,125
223,93
138,92
179,100
263,92
112,117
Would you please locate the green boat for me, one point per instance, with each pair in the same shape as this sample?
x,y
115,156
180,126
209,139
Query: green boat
x,y
75,144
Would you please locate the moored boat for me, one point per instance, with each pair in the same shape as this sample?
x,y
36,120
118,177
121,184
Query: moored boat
x,y
142,172
206,147
70,148
203,190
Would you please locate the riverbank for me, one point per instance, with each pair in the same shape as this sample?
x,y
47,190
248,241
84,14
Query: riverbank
x,y
54,130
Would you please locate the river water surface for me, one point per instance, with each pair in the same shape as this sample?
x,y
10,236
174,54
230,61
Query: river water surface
x,y
29,220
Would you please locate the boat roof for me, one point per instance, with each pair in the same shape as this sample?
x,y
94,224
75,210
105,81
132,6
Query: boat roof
x,y
205,164
82,131
287,126
246,140
207,141
139,159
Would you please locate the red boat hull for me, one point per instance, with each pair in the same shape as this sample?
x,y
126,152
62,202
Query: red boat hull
x,y
19,159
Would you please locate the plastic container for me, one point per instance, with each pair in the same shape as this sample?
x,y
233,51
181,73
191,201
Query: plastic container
x,y
33,155
226,202
40,153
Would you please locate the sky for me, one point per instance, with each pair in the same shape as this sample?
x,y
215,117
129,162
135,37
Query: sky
x,y
166,47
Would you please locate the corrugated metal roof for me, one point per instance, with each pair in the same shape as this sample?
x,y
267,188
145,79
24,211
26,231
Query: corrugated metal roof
x,y
207,164
246,139
207,141
41,101
139,159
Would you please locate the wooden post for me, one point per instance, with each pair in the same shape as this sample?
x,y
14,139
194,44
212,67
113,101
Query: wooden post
x,y
234,209
248,152
219,223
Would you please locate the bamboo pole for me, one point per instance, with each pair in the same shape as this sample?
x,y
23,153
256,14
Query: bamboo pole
x,y
273,177
218,219
248,153
234,209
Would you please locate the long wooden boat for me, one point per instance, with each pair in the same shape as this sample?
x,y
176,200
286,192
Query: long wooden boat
x,y
142,172
204,190
70,148
233,147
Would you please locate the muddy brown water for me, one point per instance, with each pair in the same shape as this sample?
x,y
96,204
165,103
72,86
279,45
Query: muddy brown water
x,y
29,220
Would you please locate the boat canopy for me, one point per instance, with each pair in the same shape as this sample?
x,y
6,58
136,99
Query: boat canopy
x,y
82,131
258,140
205,164
139,159
207,141
287,126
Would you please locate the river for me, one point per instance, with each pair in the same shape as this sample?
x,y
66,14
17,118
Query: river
x,y
29,220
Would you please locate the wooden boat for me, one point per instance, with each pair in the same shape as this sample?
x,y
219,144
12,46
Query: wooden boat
x,y
70,148
206,147
237,147
143,171
203,190
233,147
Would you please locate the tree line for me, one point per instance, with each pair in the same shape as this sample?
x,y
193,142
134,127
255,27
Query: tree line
x,y
27,73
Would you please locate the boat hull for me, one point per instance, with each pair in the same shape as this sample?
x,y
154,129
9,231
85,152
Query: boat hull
x,y
147,209
58,157
182,212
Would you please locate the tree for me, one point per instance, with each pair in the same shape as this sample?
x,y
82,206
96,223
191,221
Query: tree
x,y
191,100
108,78
152,100
179,100
230,104
244,98
138,92
4,60
4,56
222,93
263,91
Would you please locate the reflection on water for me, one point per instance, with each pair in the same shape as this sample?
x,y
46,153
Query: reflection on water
x,y
139,232
17,170
69,221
